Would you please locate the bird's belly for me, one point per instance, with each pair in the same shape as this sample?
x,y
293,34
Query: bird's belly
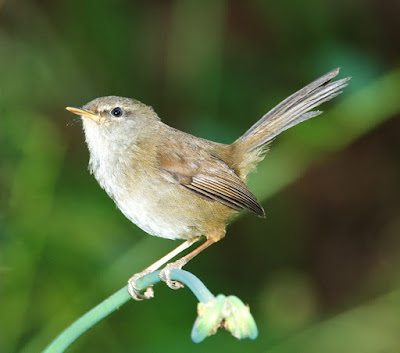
x,y
167,210
158,212
156,222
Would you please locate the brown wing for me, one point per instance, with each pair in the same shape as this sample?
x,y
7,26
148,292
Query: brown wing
x,y
209,177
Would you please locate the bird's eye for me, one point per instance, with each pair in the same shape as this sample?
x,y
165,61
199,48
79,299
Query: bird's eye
x,y
116,112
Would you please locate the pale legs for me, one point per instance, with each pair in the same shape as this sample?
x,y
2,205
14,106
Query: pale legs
x,y
164,275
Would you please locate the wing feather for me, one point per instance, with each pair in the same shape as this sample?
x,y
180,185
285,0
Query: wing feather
x,y
229,192
209,177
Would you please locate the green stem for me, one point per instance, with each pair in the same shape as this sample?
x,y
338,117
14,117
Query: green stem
x,y
194,284
105,308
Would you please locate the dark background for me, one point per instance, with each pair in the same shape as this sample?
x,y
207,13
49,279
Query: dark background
x,y
320,273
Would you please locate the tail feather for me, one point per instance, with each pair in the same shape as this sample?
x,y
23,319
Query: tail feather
x,y
253,144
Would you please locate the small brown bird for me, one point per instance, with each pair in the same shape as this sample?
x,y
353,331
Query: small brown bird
x,y
178,186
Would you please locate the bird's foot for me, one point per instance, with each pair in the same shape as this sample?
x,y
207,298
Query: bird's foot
x,y
135,292
166,271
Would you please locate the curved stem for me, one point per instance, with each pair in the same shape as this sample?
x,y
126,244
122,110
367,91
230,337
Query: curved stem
x,y
106,307
194,284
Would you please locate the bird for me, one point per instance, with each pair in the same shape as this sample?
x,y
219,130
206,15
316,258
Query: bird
x,y
174,185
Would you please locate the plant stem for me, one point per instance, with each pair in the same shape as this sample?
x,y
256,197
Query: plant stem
x,y
106,307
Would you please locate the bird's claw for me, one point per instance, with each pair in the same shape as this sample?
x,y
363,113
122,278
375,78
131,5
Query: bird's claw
x,y
135,292
166,272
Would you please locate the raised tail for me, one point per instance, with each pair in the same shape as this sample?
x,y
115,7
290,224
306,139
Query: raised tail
x,y
251,147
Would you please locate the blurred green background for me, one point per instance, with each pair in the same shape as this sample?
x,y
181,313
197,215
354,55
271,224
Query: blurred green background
x,y
321,273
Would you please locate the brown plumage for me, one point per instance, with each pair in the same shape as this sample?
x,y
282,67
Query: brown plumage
x,y
175,185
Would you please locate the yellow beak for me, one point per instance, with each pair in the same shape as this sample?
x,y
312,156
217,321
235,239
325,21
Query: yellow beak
x,y
82,112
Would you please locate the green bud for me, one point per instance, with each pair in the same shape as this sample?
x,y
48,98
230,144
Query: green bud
x,y
221,311
209,318
238,319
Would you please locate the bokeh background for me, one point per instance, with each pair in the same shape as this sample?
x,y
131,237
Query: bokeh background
x,y
321,273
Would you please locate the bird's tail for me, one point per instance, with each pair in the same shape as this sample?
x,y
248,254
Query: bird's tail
x,y
251,147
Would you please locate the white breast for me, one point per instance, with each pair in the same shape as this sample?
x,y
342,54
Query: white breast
x,y
138,201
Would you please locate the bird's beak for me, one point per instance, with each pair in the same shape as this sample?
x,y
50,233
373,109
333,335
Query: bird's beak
x,y
83,112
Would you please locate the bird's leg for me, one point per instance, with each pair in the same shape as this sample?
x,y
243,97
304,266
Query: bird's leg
x,y
178,264
149,293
